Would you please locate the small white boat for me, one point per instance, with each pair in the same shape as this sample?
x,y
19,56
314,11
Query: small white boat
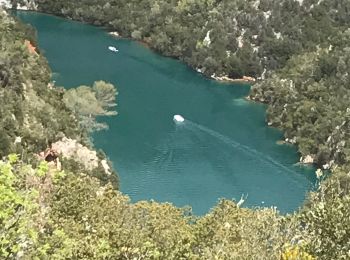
x,y
178,118
112,48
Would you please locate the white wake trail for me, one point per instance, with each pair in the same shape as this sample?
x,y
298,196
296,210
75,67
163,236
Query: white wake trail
x,y
228,141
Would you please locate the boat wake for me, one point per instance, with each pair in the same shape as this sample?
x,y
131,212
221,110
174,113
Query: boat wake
x,y
178,119
241,147
112,48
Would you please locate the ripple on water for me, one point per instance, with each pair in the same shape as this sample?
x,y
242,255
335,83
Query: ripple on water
x,y
228,153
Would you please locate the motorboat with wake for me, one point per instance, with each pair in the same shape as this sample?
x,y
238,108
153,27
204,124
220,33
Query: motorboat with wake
x,y
112,48
178,118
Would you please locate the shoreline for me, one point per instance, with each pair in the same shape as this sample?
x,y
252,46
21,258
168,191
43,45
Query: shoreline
x,y
221,79
246,80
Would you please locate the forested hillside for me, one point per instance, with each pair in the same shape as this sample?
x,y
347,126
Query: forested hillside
x,y
74,211
235,38
309,100
28,104
33,114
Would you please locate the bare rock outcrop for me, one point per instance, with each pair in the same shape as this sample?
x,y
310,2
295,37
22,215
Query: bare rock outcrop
x,y
308,159
71,149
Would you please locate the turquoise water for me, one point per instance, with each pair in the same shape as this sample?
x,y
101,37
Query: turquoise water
x,y
223,149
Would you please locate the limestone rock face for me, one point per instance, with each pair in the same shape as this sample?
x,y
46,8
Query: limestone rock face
x,y
27,5
207,41
5,3
328,165
71,149
115,34
291,140
106,167
308,159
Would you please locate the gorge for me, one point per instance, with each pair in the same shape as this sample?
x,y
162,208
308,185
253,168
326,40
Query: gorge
x,y
157,159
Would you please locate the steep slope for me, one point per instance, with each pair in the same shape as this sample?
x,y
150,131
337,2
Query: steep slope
x,y
33,115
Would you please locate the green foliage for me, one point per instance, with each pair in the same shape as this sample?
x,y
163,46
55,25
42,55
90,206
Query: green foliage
x,y
325,221
178,28
89,102
17,212
308,99
32,114
105,225
230,232
258,35
69,215
72,165
76,217
42,169
24,193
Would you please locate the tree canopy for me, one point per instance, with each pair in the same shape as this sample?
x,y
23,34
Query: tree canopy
x,y
89,102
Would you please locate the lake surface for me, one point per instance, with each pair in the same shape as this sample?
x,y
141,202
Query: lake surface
x,y
223,149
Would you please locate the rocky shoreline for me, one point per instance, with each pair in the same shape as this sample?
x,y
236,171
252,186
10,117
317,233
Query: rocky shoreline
x,y
223,78
244,79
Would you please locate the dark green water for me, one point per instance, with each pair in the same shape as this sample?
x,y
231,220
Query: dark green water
x,y
222,150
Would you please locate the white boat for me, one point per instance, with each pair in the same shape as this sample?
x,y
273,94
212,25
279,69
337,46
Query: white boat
x,y
178,118
112,48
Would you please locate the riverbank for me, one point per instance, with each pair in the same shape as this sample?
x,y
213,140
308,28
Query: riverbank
x,y
244,79
36,111
224,79
241,50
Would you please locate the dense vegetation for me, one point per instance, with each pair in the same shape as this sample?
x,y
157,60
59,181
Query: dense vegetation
x,y
48,213
33,114
236,38
28,105
309,100
51,214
